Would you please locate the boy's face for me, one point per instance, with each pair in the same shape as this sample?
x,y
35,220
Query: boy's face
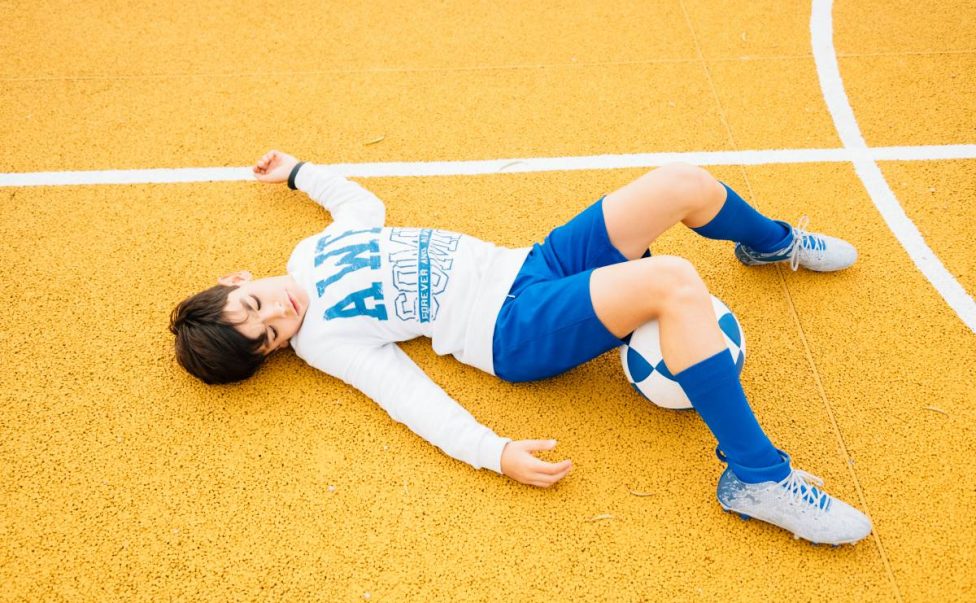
x,y
274,306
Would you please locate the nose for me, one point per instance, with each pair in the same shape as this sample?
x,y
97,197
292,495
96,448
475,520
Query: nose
x,y
275,310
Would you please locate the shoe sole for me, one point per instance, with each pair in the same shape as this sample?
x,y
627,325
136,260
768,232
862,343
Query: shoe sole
x,y
801,266
750,261
796,536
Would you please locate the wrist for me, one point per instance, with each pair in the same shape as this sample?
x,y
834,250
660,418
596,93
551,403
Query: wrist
x,y
501,462
294,174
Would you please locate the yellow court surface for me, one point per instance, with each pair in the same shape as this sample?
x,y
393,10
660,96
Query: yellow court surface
x,y
123,478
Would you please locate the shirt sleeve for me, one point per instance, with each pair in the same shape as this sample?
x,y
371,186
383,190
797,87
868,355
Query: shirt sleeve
x,y
344,199
387,375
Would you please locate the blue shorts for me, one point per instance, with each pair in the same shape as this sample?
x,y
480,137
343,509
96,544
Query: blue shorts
x,y
547,324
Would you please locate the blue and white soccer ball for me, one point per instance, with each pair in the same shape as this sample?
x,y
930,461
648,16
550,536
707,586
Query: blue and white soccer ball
x,y
644,363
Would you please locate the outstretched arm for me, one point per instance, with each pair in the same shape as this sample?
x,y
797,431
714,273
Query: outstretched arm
x,y
344,199
388,376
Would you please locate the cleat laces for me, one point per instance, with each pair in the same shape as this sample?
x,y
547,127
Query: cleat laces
x,y
797,485
801,239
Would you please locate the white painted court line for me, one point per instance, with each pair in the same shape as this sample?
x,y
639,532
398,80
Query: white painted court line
x,y
511,165
864,159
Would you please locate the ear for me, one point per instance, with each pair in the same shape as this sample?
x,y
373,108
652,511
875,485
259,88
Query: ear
x,y
235,278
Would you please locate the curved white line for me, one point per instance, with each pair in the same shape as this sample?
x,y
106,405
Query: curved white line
x,y
825,56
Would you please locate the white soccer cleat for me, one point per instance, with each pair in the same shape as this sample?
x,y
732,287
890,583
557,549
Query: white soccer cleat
x,y
795,505
811,250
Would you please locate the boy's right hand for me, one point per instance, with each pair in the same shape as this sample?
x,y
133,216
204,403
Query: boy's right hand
x,y
519,464
274,167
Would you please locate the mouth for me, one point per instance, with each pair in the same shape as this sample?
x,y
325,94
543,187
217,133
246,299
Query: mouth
x,y
294,304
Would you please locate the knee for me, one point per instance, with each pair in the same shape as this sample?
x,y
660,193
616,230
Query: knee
x,y
678,283
690,182
673,270
685,176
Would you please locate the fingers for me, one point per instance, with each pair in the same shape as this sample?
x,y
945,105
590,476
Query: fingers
x,y
266,161
545,474
551,468
534,445
538,472
529,469
545,480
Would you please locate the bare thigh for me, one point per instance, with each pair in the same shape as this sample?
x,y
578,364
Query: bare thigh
x,y
665,288
637,213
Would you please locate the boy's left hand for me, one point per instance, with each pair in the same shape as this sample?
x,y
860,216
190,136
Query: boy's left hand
x,y
520,464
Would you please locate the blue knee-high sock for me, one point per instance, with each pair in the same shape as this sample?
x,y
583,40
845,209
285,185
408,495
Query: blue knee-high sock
x,y
713,387
740,222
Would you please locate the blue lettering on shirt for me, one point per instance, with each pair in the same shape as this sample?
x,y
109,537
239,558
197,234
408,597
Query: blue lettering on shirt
x,y
349,259
354,304
423,275
421,262
327,240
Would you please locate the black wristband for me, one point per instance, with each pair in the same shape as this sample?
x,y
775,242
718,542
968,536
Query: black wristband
x,y
294,172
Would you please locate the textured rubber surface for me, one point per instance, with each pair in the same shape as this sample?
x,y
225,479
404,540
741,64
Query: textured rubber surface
x,y
121,478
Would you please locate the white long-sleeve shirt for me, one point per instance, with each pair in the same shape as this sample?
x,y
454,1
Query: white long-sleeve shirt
x,y
370,287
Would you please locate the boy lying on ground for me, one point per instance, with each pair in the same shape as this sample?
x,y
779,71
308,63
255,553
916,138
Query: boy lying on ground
x,y
354,290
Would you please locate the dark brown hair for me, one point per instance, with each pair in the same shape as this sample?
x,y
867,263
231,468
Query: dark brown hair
x,y
207,344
